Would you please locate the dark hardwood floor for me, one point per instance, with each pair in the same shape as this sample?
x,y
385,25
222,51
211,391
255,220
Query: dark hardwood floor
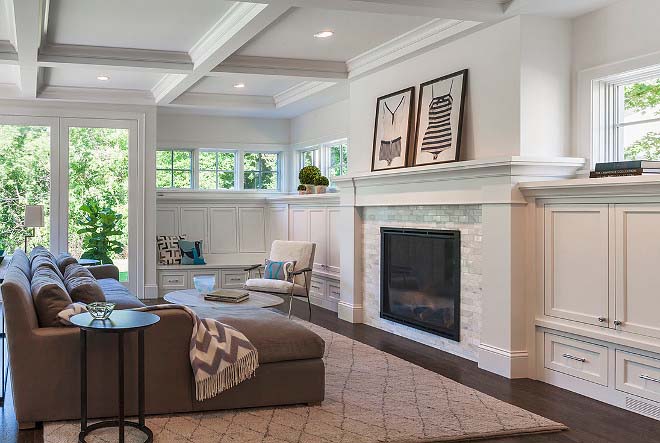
x,y
588,420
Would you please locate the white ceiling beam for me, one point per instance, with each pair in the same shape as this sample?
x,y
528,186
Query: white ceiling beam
x,y
475,10
115,58
239,25
96,95
285,67
224,101
27,18
300,92
8,55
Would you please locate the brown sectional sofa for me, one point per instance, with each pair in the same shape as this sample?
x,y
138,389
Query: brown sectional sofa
x,y
45,362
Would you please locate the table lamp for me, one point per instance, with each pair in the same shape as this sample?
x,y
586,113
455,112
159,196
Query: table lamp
x,y
34,218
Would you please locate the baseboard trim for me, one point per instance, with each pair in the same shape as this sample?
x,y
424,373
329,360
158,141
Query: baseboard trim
x,y
150,292
350,312
509,364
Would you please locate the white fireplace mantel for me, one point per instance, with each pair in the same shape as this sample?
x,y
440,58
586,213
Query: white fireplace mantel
x,y
467,182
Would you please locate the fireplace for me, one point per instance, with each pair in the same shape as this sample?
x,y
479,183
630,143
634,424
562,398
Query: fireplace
x,y
421,279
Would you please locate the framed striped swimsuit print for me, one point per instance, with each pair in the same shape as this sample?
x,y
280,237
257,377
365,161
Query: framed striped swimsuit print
x,y
440,119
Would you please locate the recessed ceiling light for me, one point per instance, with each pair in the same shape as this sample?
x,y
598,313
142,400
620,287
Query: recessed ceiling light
x,y
103,78
239,85
324,34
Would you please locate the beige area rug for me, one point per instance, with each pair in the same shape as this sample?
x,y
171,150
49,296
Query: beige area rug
x,y
371,396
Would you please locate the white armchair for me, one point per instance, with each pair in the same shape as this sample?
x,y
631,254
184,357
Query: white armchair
x,y
302,253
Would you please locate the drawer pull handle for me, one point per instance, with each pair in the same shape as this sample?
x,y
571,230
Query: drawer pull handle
x,y
602,319
646,377
572,357
173,281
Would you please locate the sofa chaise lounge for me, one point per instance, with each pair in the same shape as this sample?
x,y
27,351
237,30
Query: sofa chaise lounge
x,y
45,361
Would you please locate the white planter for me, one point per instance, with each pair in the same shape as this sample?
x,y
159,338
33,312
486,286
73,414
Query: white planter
x,y
321,189
311,189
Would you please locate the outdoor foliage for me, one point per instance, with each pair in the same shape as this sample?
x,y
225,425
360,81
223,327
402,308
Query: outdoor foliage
x,y
260,170
214,165
644,98
99,224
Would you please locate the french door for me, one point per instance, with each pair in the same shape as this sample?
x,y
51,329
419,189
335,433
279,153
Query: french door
x,y
98,165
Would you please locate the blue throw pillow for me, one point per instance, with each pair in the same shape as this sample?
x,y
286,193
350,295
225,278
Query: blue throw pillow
x,y
191,252
279,270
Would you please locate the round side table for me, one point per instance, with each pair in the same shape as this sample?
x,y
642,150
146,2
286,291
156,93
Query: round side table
x,y
120,323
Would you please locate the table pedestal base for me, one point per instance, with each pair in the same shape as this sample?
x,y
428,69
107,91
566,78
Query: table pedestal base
x,y
115,424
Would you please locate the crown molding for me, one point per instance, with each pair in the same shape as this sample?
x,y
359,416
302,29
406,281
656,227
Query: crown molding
x,y
311,69
230,101
419,38
96,95
300,92
119,58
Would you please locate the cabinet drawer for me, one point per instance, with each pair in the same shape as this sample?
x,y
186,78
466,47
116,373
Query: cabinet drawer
x,y
334,291
317,286
173,280
233,279
638,375
576,358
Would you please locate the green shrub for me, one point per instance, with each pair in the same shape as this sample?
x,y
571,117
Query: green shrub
x,y
308,175
98,225
322,180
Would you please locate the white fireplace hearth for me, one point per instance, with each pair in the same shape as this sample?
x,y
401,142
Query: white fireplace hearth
x,y
480,198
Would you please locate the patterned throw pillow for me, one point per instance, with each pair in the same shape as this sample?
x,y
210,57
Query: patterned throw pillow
x,y
279,270
65,314
168,249
191,252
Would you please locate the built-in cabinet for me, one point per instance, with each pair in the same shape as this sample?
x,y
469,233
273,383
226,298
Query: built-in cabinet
x,y
178,277
319,225
597,325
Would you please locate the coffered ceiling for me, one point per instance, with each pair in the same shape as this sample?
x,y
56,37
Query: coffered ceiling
x,y
224,57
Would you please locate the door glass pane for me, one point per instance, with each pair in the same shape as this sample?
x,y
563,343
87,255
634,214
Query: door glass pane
x,y
98,184
24,180
641,141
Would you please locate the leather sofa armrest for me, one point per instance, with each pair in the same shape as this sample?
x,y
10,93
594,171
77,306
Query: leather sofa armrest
x,y
104,271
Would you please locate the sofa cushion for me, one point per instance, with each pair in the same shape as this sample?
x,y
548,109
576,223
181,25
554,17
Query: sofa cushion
x,y
44,261
63,260
81,285
49,296
40,251
276,337
21,261
274,286
118,294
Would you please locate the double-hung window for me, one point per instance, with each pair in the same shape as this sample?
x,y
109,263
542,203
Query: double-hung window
x,y
261,170
338,161
331,158
174,169
309,157
217,169
626,116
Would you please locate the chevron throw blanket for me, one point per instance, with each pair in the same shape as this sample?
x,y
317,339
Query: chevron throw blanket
x,y
221,357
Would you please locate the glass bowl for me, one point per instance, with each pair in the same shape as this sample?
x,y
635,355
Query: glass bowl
x,y
100,310
204,283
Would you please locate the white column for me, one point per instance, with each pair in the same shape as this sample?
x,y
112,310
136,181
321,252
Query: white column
x,y
350,307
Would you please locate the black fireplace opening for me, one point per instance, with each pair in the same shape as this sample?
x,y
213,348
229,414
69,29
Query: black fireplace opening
x,y
421,279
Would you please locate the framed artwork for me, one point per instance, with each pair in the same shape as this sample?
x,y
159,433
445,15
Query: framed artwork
x,y
392,130
440,119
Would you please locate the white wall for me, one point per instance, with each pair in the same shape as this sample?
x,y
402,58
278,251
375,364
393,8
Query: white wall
x,y
321,125
188,130
492,115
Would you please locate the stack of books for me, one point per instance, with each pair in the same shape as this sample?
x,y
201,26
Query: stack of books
x,y
227,296
632,167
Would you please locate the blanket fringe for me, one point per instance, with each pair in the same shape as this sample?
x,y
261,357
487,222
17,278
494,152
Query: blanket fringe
x,y
229,377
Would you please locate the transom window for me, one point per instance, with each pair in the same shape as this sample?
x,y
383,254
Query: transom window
x,y
310,157
217,170
261,170
174,169
338,164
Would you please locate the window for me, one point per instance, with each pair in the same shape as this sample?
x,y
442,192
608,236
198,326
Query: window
x,y
174,169
638,124
338,164
217,170
310,157
261,170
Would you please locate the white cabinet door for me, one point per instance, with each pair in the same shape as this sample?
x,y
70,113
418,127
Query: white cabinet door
x,y
194,224
224,230
299,224
167,220
278,224
318,233
577,239
637,268
252,235
333,239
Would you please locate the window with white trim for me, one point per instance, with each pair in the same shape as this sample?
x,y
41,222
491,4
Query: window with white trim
x,y
217,169
174,169
338,161
626,116
309,157
261,170
331,158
